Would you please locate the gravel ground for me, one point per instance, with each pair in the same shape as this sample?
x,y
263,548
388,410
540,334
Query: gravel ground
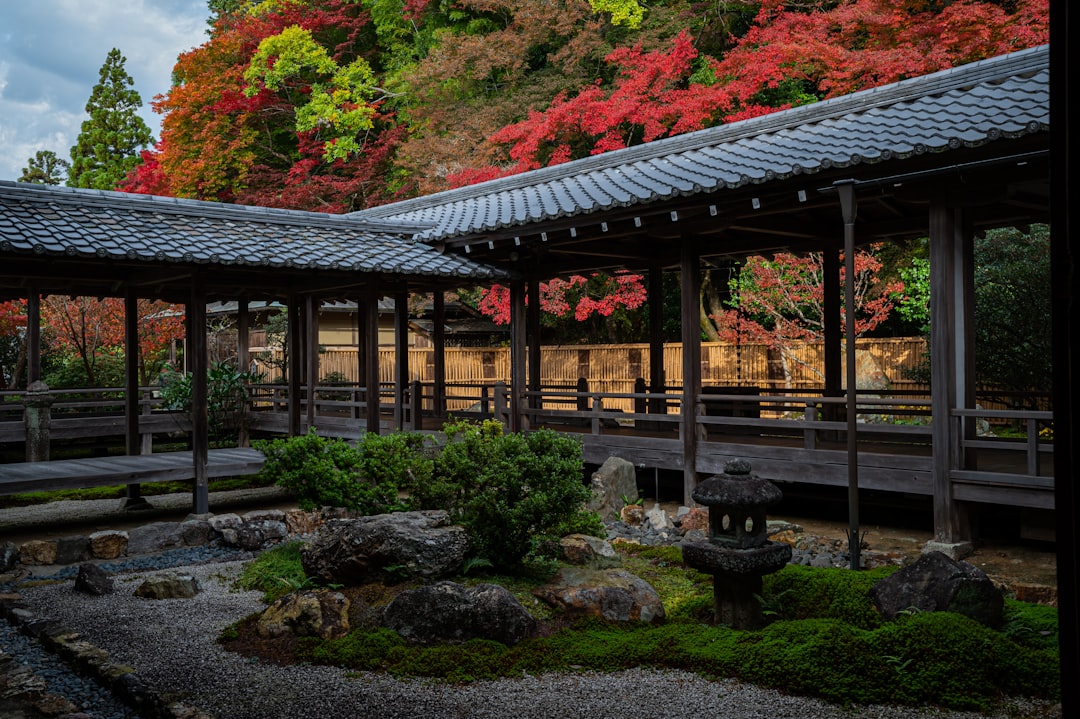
x,y
172,645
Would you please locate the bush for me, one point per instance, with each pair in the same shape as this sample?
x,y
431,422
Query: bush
x,y
330,472
512,492
228,396
275,572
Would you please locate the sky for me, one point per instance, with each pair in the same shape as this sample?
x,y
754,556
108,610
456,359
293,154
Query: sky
x,y
52,50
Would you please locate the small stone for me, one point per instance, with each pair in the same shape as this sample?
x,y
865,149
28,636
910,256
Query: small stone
x,y
221,522
310,613
297,521
632,515
38,552
108,544
93,580
657,518
696,518
169,586
52,705
583,550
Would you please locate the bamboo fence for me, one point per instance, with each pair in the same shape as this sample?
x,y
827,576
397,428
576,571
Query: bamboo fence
x,y
615,368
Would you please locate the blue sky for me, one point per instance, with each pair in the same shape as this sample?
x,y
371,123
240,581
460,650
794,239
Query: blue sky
x,y
50,54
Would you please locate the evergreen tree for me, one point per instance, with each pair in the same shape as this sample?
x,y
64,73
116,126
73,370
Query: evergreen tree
x,y
109,142
45,168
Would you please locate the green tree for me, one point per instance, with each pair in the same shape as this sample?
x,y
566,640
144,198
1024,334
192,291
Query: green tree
x,y
45,168
109,143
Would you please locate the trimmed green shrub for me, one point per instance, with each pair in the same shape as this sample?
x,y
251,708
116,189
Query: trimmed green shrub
x,y
512,492
797,592
366,477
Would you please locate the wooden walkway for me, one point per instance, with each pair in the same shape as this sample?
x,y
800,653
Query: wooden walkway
x,y
20,477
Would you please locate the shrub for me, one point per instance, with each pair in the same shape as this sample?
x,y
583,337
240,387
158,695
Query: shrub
x,y
275,572
228,395
512,492
330,472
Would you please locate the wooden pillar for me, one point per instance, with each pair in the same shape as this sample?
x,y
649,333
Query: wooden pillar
x,y
532,331
295,366
950,380
690,279
132,441
311,375
199,359
439,339
830,271
657,380
369,314
401,355
517,351
33,336
848,206
243,336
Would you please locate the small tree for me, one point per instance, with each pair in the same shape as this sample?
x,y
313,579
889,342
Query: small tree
x,y
109,143
45,168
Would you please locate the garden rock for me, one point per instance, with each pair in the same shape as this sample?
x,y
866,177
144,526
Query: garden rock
x,y
9,555
696,518
583,550
72,549
154,537
255,534
93,580
632,515
38,552
385,548
108,544
300,522
221,522
936,583
448,611
197,532
613,485
168,586
658,519
613,594
321,613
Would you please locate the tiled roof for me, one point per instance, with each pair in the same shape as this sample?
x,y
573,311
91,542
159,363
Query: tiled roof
x,y
65,222
971,105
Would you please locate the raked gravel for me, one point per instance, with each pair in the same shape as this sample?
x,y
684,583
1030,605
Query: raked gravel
x,y
171,643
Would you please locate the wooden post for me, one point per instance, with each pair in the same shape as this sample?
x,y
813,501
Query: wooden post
x,y
199,358
849,208
833,353
439,337
401,355
947,362
656,338
517,351
690,279
532,325
311,328
33,336
295,363
416,405
370,314
243,361
133,498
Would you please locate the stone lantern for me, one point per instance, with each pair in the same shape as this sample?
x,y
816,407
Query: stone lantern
x,y
739,552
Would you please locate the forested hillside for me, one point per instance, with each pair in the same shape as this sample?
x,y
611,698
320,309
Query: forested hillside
x,y
337,105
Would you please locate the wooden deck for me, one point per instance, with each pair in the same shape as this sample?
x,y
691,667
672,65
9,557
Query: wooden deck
x,y
20,477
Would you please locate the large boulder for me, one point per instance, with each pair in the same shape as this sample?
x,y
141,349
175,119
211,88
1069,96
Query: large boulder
x,y
613,594
613,486
154,537
385,548
320,613
936,583
447,611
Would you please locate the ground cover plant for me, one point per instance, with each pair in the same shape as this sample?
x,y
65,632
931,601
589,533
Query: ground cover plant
x,y
823,639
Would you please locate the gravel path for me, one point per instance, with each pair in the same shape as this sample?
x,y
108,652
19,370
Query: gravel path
x,y
171,643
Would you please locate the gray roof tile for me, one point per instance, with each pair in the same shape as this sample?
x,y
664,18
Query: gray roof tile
x,y
68,222
1002,97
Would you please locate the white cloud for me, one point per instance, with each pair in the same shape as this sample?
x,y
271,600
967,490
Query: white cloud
x,y
50,55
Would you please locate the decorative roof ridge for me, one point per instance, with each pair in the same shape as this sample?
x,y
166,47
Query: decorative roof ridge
x,y
198,208
999,68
